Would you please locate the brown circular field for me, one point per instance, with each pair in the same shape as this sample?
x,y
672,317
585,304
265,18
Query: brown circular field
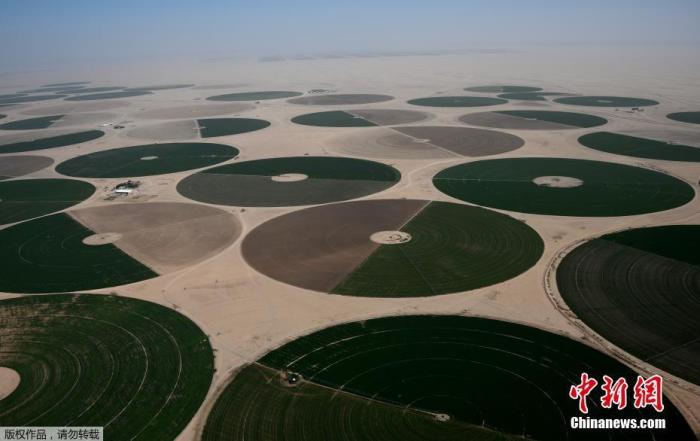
x,y
392,248
49,254
20,165
193,111
340,99
428,142
89,106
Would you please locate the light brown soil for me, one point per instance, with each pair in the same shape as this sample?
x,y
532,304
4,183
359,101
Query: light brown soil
x,y
20,165
9,380
329,258
194,111
502,121
168,131
164,236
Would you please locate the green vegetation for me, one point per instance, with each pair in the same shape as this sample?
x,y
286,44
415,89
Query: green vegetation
x,y
316,167
503,89
212,127
162,87
51,142
529,96
640,147
254,96
686,117
566,118
639,289
48,255
608,189
139,369
73,83
41,122
387,379
453,248
606,101
678,242
146,160
20,98
457,101
108,95
28,198
336,118
83,89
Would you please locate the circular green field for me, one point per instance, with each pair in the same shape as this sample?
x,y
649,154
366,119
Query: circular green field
x,y
48,255
108,95
639,289
146,160
529,96
72,83
392,248
563,187
533,120
139,369
162,87
254,96
620,144
503,89
686,117
28,99
82,89
37,142
416,378
606,101
27,198
213,127
457,101
291,181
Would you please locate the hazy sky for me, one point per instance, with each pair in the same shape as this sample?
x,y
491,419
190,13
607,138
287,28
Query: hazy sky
x,y
36,32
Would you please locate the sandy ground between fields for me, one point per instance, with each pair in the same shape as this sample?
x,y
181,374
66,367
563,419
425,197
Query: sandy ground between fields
x,y
246,314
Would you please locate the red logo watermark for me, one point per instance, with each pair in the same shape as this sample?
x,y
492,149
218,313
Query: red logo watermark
x,y
647,392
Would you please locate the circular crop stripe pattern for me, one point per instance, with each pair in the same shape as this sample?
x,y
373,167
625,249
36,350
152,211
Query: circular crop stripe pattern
x,y
27,198
503,89
53,253
639,289
606,101
416,378
255,183
40,141
254,96
608,189
341,99
620,144
139,369
457,101
686,117
533,120
161,159
453,248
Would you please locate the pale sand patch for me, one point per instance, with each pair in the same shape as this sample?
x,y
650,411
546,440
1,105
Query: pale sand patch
x,y
390,237
88,106
102,238
289,177
165,237
558,181
9,380
149,158
85,118
168,131
193,111
389,117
